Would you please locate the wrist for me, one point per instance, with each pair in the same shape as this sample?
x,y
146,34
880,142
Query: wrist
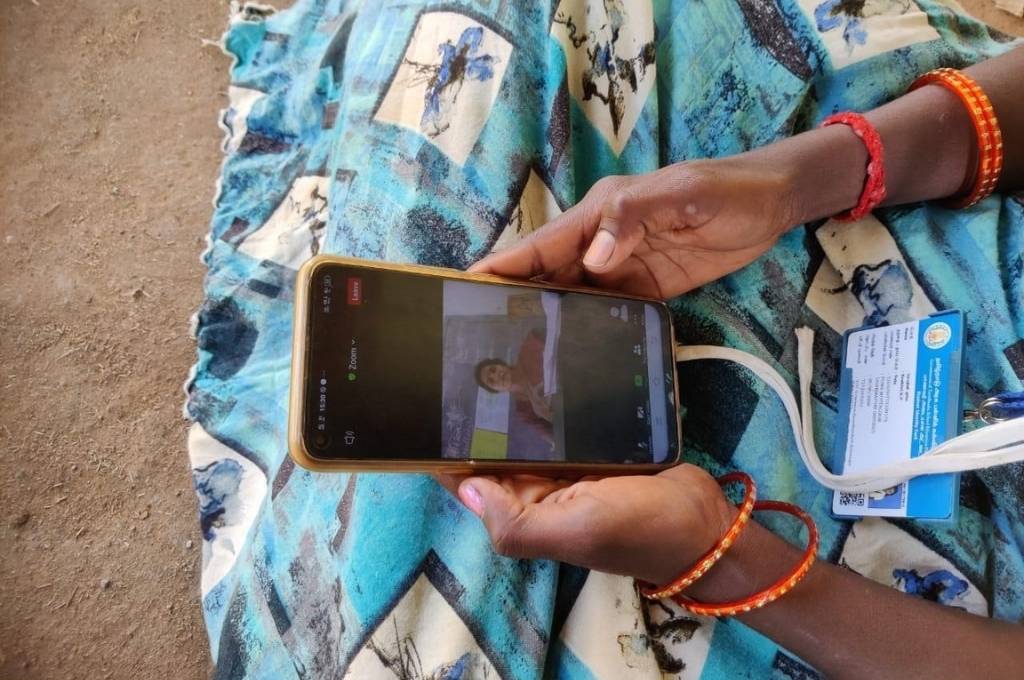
x,y
755,561
927,128
712,518
711,531
822,171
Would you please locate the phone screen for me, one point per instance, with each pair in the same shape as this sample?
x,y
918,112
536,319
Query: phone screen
x,y
408,366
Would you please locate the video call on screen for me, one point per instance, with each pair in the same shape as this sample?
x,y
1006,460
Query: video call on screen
x,y
405,366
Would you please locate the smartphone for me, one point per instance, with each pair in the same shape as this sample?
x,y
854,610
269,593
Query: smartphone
x,y
408,368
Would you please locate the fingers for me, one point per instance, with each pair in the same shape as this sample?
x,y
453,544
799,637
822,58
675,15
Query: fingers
x,y
617,525
527,488
670,199
555,248
597,238
601,232
449,482
524,530
620,231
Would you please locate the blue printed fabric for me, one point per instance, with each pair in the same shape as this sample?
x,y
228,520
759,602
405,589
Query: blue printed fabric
x,y
434,133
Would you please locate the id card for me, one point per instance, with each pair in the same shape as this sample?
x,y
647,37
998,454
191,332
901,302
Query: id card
x,y
899,396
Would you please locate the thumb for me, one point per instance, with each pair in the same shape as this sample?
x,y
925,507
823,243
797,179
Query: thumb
x,y
673,198
517,529
623,225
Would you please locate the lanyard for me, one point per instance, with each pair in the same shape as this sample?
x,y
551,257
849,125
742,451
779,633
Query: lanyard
x,y
1005,406
999,443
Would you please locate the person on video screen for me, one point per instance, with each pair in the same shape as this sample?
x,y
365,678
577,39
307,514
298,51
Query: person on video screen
x,y
524,380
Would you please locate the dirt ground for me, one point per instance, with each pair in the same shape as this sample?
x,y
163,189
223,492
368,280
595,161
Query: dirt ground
x,y
109,149
108,152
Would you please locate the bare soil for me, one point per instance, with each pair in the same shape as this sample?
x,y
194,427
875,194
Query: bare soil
x,y
108,153
109,149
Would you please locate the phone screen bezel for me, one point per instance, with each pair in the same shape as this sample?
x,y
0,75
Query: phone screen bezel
x,y
301,453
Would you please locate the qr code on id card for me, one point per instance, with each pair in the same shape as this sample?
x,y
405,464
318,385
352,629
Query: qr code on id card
x,y
852,500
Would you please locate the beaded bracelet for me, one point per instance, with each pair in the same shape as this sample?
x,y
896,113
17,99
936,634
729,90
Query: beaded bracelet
x,y
874,183
774,591
986,129
708,559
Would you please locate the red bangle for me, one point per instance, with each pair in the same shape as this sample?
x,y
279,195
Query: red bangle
x,y
874,184
777,589
986,129
708,559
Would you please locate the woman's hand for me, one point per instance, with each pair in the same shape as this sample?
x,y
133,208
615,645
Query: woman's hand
x,y
650,527
669,231
659,234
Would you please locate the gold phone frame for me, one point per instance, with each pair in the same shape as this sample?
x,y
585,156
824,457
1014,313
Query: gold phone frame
x,y
296,400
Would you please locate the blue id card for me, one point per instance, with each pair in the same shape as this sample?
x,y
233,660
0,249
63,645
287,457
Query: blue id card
x,y
899,396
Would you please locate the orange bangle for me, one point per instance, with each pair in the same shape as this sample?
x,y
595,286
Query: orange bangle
x,y
986,129
708,559
990,150
774,591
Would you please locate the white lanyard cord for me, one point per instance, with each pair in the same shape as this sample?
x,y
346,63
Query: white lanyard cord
x,y
996,444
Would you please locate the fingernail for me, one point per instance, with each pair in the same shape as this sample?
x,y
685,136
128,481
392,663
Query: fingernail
x,y
472,499
600,250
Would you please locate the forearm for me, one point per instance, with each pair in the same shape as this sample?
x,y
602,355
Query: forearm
x,y
929,142
842,623
848,626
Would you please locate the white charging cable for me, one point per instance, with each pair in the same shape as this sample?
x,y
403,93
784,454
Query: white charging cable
x,y
996,444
